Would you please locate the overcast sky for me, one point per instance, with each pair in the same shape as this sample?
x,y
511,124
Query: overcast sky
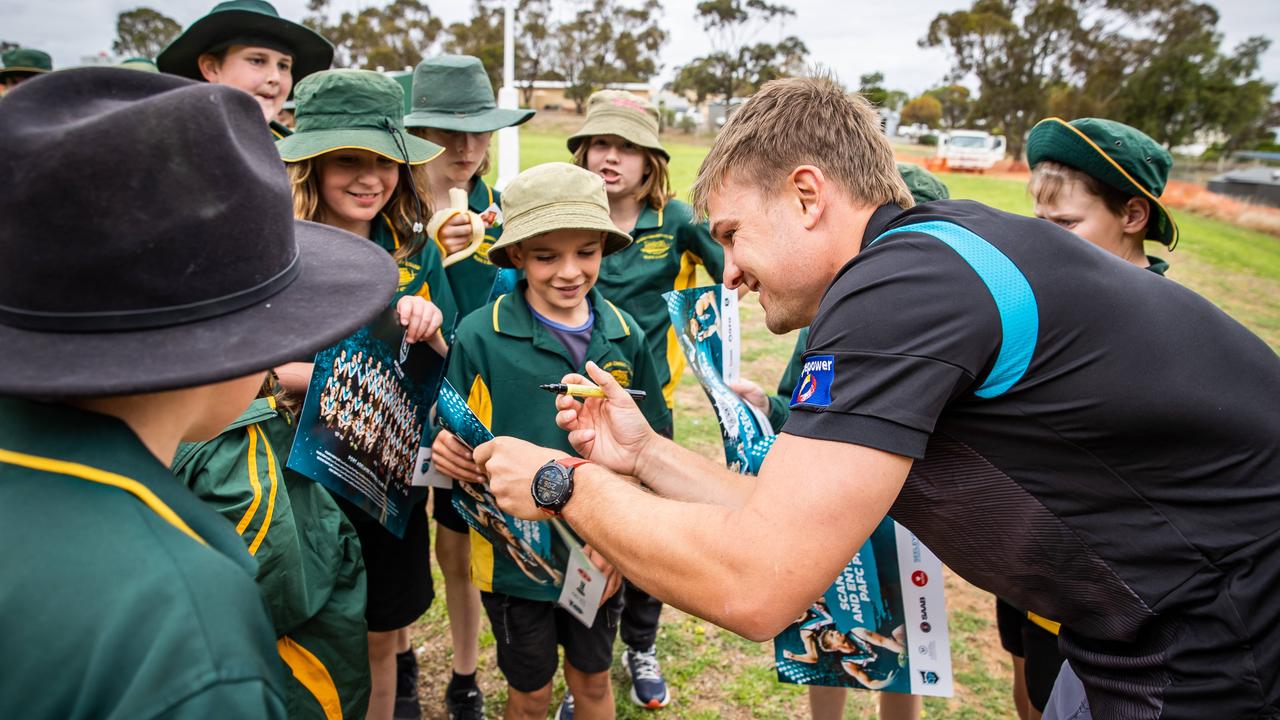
x,y
852,37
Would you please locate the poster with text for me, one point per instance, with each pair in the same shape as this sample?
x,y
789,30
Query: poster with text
x,y
364,416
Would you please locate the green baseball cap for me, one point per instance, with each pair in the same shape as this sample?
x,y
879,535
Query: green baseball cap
x,y
453,92
1120,156
245,22
616,112
554,196
362,109
25,61
924,185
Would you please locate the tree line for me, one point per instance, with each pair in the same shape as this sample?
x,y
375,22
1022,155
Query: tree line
x,y
1158,65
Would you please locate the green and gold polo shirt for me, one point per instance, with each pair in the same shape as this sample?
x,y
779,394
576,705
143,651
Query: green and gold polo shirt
x,y
471,278
421,274
668,246
309,565
124,595
500,356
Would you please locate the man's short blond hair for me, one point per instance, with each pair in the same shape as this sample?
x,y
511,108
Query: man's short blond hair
x,y
804,121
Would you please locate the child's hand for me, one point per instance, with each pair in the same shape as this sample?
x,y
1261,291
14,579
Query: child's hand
x,y
419,317
455,235
453,459
613,578
751,392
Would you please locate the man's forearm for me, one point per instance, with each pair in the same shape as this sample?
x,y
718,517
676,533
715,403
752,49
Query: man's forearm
x,y
680,474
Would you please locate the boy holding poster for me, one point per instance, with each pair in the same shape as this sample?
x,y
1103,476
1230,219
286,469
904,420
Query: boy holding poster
x,y
557,230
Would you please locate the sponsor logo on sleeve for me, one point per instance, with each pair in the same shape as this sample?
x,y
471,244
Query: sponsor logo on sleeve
x,y
816,376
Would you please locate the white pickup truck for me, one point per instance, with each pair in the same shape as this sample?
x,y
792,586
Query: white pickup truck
x,y
971,149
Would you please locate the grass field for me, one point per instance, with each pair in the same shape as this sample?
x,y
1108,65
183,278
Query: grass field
x,y
716,674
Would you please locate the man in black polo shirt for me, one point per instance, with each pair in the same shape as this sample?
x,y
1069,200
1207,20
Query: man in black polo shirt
x,y
1083,437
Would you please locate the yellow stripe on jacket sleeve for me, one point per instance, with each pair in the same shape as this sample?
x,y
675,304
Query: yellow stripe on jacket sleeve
x,y
313,676
481,403
92,474
1044,622
251,462
271,495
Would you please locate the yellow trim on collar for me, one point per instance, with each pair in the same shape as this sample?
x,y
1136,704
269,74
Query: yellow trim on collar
x,y
496,303
626,329
1173,242
92,474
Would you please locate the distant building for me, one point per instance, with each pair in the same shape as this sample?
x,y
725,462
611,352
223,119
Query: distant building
x,y
1256,184
549,94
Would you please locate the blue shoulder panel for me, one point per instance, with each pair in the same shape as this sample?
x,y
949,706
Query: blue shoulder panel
x,y
1019,315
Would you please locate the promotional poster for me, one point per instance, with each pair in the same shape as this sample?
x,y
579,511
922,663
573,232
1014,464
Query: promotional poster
x,y
527,545
363,418
706,325
881,626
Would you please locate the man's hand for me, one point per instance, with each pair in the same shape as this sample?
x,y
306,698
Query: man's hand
x,y
510,465
610,431
751,392
453,459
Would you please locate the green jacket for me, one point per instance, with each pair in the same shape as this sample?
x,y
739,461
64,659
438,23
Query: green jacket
x,y
421,274
668,247
309,565
124,596
471,278
500,356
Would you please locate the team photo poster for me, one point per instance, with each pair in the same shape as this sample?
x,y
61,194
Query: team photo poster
x,y
363,418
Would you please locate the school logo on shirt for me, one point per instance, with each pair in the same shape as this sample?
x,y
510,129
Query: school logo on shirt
x,y
655,246
816,376
481,255
408,271
620,370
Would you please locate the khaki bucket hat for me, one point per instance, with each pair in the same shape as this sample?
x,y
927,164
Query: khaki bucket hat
x,y
555,196
617,112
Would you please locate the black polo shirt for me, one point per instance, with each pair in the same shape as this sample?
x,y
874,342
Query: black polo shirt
x,y
1092,441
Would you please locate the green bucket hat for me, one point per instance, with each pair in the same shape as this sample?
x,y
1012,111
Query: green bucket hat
x,y
616,112
25,61
352,109
1120,156
453,92
924,185
245,22
144,64
554,196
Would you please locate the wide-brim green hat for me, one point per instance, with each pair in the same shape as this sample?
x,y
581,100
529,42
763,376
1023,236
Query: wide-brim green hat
x,y
453,92
352,109
1119,156
616,112
924,185
245,22
550,197
25,61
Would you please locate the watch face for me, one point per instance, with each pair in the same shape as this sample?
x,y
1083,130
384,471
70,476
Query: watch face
x,y
549,485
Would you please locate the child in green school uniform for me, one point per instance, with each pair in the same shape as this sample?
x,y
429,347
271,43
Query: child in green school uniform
x,y
454,107
309,565
619,142
557,231
247,45
348,161
125,595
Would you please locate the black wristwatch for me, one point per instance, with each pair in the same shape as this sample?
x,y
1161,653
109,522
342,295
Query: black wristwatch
x,y
553,485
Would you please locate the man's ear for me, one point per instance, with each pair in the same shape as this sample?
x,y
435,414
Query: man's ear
x,y
1137,213
809,187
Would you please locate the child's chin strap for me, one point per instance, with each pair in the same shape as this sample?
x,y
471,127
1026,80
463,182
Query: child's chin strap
x,y
397,136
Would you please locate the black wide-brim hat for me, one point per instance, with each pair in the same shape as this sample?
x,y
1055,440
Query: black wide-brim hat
x,y
245,22
137,255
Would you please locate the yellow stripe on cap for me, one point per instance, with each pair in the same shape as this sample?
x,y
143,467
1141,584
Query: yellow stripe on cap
x,y
92,474
313,676
1122,171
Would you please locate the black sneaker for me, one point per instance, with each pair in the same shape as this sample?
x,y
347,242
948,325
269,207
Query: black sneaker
x,y
465,705
407,706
